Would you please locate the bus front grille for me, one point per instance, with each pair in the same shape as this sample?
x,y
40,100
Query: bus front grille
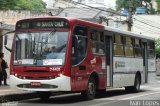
x,y
42,86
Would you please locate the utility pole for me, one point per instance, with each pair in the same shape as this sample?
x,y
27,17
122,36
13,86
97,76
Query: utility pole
x,y
101,19
130,10
1,41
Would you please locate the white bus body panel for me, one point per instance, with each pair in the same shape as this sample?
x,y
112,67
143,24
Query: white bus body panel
x,y
151,70
151,65
124,70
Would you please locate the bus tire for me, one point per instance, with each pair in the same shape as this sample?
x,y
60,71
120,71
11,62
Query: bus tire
x,y
137,83
44,95
136,87
89,94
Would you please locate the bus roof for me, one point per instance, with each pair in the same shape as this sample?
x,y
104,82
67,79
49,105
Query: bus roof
x,y
116,30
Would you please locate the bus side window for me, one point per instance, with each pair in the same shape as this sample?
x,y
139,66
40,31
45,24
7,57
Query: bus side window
x,y
138,48
151,49
118,45
79,44
97,42
129,47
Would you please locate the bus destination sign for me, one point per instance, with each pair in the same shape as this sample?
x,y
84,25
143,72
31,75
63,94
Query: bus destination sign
x,y
42,24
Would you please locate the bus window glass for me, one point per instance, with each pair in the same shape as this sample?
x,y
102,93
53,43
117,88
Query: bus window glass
x,y
79,44
138,48
129,47
118,45
41,48
97,42
151,49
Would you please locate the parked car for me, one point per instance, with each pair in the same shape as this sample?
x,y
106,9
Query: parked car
x,y
141,10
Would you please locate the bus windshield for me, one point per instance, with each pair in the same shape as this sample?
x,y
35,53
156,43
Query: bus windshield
x,y
40,48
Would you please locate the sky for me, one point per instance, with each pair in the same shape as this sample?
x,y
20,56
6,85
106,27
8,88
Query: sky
x,y
109,3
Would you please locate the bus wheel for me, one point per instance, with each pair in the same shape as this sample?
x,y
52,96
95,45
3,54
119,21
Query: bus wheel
x,y
91,90
136,87
44,95
137,83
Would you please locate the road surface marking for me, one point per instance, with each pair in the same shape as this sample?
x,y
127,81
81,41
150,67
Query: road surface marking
x,y
140,95
105,103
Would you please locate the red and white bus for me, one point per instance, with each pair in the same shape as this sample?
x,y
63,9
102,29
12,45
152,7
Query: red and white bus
x,y
54,54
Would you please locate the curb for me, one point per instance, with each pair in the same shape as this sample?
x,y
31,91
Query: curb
x,y
17,96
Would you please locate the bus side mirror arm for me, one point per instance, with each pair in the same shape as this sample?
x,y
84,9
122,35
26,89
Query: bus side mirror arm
x,y
10,50
6,39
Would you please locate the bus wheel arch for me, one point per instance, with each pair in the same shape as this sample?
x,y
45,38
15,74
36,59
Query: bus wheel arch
x,y
96,78
92,86
137,82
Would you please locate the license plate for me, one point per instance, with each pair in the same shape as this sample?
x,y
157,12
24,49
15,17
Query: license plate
x,y
35,83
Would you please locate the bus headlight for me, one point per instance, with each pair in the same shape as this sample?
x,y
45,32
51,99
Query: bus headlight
x,y
15,75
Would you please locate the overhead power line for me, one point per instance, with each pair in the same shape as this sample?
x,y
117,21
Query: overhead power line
x,y
148,21
74,2
96,10
147,24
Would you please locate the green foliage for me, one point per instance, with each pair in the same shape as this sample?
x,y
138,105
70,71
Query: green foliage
x,y
158,5
157,49
124,4
7,4
135,3
35,5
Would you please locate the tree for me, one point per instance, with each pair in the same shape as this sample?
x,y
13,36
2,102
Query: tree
x,y
158,5
157,47
35,5
7,4
135,3
124,4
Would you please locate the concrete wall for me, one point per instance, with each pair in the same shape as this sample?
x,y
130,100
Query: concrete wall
x,y
10,17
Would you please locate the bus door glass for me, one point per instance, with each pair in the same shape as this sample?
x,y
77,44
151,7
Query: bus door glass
x,y
109,57
109,60
78,54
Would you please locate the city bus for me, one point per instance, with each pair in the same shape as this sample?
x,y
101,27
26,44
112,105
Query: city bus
x,y
60,54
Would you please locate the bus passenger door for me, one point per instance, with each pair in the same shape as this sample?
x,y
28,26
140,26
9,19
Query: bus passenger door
x,y
78,57
109,60
145,63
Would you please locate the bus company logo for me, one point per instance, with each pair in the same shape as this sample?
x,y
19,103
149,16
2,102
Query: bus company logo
x,y
93,61
119,64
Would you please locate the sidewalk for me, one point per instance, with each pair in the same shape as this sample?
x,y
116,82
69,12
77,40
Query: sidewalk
x,y
9,94
7,90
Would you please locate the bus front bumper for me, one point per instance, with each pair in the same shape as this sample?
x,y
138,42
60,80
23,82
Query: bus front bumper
x,y
62,83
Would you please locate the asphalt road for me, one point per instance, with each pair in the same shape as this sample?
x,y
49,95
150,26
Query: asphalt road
x,y
149,96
